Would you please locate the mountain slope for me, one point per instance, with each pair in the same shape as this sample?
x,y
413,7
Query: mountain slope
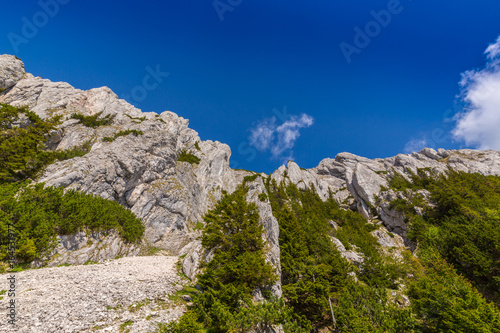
x,y
160,169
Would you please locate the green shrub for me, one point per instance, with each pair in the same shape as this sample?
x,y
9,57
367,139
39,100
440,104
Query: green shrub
x,y
251,178
122,133
263,197
197,146
188,157
313,271
39,214
23,152
93,121
238,268
463,226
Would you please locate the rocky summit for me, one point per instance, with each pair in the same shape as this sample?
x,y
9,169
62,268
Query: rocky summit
x,y
170,179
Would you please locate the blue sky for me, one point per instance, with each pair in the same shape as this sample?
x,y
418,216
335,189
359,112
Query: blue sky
x,y
270,79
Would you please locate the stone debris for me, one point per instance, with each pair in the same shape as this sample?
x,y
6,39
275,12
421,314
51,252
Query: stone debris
x,y
98,297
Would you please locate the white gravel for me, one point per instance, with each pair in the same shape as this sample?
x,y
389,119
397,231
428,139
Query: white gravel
x,y
95,298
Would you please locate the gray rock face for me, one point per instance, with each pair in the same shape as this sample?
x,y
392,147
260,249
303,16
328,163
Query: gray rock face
x,y
79,248
11,71
360,182
271,226
143,172
140,172
353,256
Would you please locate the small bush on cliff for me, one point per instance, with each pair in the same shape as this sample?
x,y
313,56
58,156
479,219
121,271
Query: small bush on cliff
x,y
23,153
93,121
122,133
188,157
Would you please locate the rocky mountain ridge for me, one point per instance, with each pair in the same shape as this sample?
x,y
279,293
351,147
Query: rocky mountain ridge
x,y
147,174
143,172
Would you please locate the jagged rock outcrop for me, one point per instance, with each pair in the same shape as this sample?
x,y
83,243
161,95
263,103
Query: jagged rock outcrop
x,y
271,226
80,248
140,172
11,71
362,183
143,173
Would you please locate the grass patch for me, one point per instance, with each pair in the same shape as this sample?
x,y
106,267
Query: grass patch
x,y
137,306
198,226
124,325
186,290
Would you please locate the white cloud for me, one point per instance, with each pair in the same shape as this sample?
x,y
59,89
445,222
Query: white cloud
x,y
415,145
479,124
262,135
279,140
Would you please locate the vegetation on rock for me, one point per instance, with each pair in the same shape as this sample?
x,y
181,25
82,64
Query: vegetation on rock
x,y
23,152
38,214
35,214
314,273
236,272
462,224
188,157
93,121
122,133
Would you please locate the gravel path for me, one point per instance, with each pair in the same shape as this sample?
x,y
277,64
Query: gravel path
x,y
115,296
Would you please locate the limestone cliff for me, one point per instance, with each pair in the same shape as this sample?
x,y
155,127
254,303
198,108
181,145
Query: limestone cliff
x,y
143,172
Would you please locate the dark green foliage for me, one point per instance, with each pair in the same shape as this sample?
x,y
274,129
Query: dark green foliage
x,y
447,302
364,309
248,179
421,180
122,133
187,324
313,270
238,268
378,270
262,197
188,157
22,150
78,151
197,146
39,214
93,121
463,226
